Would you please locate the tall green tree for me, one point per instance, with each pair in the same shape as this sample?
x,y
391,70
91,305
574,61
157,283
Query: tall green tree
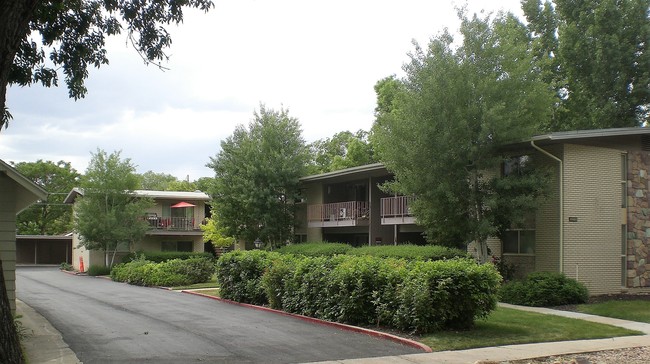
x,y
256,177
343,150
51,217
108,215
595,56
151,180
38,38
440,128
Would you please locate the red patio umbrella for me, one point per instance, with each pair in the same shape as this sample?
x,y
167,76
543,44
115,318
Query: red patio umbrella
x,y
182,204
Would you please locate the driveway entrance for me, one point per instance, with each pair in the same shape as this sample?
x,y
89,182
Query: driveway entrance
x,y
108,322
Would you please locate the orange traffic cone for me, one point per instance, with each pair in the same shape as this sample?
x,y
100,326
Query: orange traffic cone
x,y
81,264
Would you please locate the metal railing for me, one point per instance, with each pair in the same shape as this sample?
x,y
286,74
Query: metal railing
x,y
396,206
172,223
339,211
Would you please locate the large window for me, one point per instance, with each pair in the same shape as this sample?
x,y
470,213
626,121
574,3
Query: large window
x,y
514,165
519,241
176,246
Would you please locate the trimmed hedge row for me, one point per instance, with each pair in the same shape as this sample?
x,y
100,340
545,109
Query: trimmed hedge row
x,y
411,252
406,251
544,289
158,257
175,272
316,249
418,296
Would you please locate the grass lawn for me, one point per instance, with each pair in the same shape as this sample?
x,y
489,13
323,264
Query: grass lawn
x,y
508,326
212,283
210,292
634,310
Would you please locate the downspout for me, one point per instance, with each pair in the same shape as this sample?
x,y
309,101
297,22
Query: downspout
x,y
532,143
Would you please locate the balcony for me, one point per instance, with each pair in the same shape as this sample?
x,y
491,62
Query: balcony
x,y
350,213
158,223
396,210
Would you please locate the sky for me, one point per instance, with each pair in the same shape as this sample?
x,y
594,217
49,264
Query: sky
x,y
318,59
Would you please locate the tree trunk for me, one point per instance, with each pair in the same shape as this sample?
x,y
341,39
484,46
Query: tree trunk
x,y
15,16
10,352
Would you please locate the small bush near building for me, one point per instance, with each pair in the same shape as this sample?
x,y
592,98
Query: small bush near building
x,y
544,289
316,249
240,272
99,270
175,272
418,296
158,257
66,266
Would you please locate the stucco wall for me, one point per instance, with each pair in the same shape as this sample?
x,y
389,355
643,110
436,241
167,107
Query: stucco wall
x,y
8,235
592,199
638,222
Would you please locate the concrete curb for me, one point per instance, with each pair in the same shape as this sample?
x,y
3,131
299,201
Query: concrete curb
x,y
373,333
44,343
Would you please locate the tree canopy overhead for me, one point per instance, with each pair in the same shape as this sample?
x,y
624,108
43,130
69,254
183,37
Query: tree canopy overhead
x,y
38,38
343,150
256,178
594,54
439,128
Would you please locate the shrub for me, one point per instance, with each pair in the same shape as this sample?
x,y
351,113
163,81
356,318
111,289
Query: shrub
x,y
99,270
542,289
176,272
316,249
66,266
418,296
240,273
158,257
410,252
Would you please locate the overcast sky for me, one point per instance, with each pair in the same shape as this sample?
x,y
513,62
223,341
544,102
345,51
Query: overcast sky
x,y
319,59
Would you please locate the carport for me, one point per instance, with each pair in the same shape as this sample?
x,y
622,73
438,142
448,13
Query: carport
x,y
43,249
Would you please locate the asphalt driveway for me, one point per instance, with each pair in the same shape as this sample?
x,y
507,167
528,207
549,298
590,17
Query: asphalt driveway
x,y
108,322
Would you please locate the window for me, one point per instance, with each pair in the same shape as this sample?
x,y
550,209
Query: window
x,y
176,246
519,241
623,180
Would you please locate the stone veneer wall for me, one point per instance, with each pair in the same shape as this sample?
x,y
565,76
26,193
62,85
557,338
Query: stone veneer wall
x,y
638,220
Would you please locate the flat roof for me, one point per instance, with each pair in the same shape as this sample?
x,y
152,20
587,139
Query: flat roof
x,y
368,168
175,195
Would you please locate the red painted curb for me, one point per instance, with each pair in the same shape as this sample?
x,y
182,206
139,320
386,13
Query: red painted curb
x,y
373,333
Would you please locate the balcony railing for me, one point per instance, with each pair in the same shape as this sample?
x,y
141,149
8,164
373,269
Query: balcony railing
x,y
350,213
396,210
172,223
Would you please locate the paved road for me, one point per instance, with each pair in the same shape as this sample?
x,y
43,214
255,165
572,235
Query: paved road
x,y
108,322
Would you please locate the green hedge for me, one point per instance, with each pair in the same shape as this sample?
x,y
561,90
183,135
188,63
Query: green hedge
x,y
316,249
544,289
410,252
175,272
99,270
406,251
418,296
158,257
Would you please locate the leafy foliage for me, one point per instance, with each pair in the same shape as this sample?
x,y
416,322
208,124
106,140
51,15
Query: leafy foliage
x,y
594,55
541,289
439,130
98,270
257,172
49,217
316,249
215,233
343,150
173,272
158,256
414,296
410,252
108,215
239,274
43,37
